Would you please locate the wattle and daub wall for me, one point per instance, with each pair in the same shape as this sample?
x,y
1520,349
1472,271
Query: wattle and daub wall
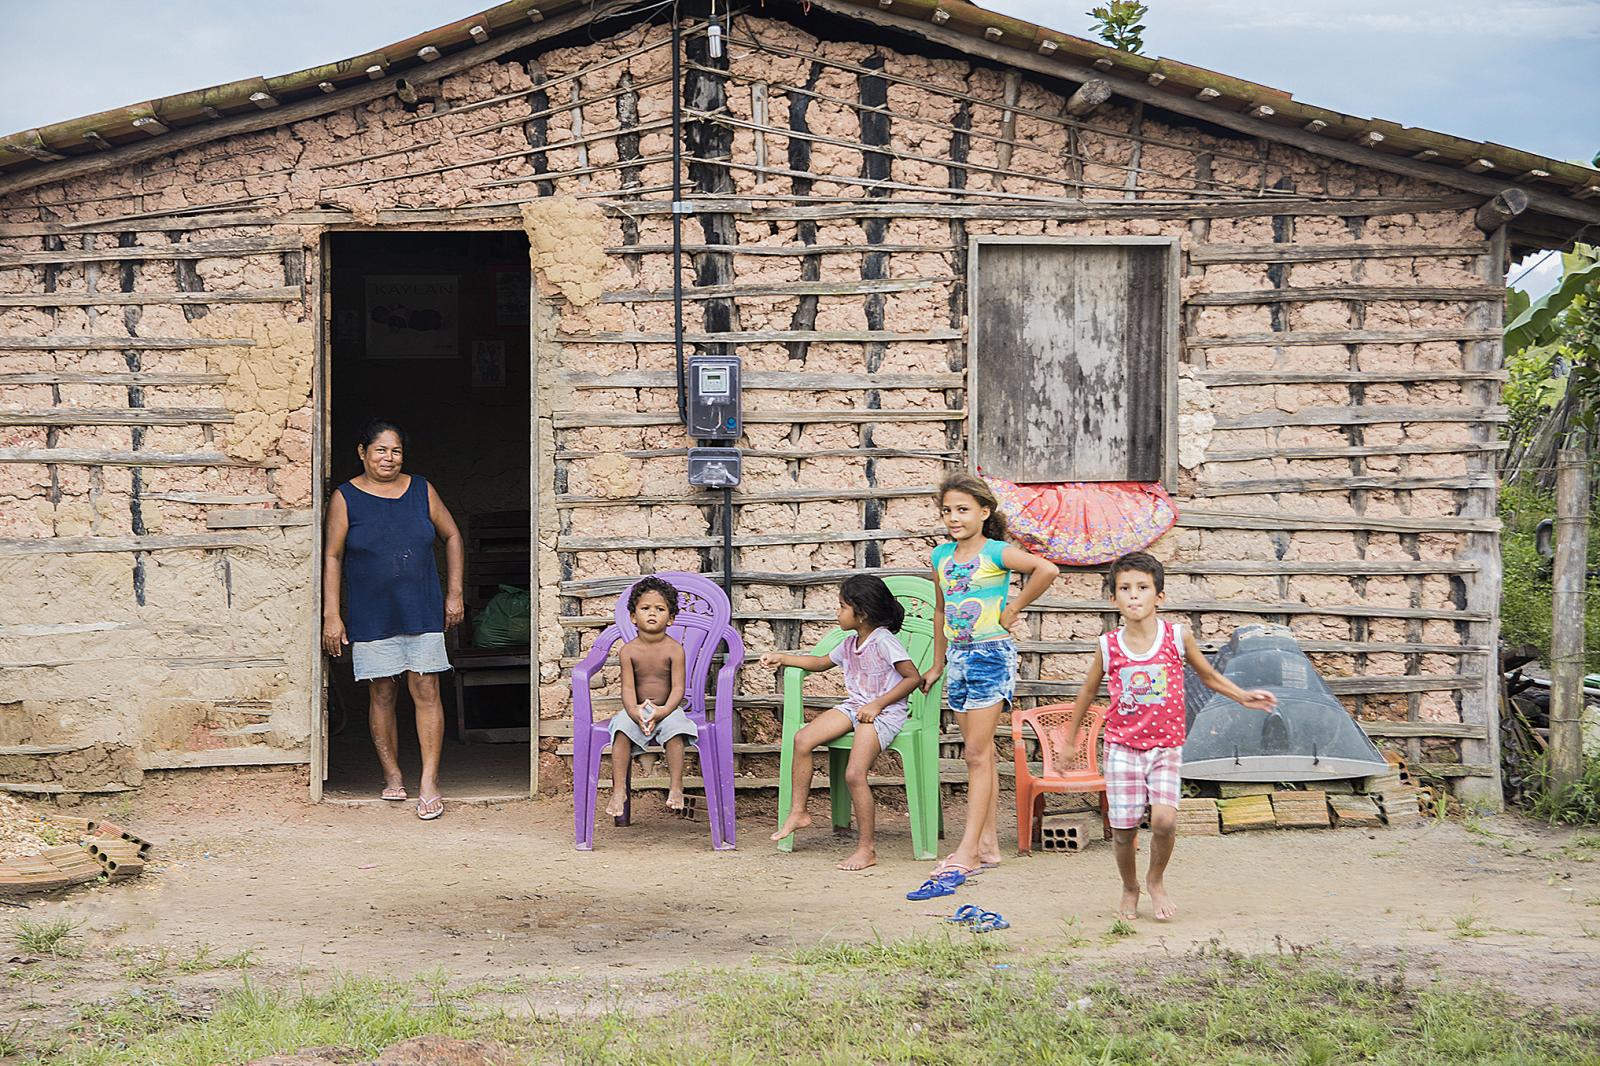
x,y
159,339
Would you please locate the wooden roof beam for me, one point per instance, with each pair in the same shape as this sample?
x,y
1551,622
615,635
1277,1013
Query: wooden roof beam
x,y
1506,205
294,111
1060,68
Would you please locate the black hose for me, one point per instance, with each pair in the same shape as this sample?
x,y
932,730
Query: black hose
x,y
727,542
677,219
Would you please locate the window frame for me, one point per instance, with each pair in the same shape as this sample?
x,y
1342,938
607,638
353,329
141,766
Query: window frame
x,y
1171,343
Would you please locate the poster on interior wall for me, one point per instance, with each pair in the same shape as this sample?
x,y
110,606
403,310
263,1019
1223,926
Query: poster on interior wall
x,y
511,298
488,364
412,316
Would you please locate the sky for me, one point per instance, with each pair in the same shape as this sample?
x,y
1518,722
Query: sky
x,y
1524,73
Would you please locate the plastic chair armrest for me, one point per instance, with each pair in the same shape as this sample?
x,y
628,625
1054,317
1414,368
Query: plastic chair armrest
x,y
583,674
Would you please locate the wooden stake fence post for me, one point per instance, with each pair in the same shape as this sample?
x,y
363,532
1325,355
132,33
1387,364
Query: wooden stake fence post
x,y
1566,635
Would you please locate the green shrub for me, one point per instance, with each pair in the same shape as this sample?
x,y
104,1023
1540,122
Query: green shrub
x,y
1525,605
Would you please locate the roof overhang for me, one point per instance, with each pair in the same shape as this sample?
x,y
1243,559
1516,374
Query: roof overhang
x,y
1563,198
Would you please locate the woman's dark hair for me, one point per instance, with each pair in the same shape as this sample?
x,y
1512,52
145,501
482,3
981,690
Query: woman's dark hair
x,y
871,600
994,527
660,588
378,426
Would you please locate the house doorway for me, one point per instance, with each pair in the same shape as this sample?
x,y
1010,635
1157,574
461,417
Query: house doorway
x,y
431,330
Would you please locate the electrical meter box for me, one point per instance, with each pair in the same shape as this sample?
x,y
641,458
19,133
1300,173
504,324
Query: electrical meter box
x,y
713,400
715,468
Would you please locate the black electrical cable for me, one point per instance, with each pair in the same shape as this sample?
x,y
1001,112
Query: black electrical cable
x,y
677,219
727,542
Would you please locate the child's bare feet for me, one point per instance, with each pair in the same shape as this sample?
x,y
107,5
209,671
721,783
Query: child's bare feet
x,y
796,820
1165,909
615,805
860,859
1128,907
675,799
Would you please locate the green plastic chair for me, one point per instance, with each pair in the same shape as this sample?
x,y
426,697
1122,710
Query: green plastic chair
x,y
917,743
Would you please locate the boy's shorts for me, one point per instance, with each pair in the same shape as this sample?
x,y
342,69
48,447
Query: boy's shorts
x,y
676,724
980,675
1136,778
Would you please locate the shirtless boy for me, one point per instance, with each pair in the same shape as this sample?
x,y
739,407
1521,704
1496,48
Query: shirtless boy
x,y
652,693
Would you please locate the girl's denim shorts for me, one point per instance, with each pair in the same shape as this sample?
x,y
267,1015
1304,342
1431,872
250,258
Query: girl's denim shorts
x,y
980,675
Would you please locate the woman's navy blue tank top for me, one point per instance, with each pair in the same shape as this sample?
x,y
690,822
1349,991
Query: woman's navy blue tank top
x,y
391,582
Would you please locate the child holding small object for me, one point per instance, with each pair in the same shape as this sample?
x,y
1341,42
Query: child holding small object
x,y
652,693
1142,663
878,677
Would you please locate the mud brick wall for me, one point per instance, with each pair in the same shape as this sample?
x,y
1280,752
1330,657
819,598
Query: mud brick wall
x,y
159,418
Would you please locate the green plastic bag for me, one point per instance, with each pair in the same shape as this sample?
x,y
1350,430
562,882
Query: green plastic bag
x,y
505,621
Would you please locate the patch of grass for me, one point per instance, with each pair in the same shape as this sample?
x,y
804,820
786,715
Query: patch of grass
x,y
939,955
150,967
45,937
1467,927
1121,928
1205,1011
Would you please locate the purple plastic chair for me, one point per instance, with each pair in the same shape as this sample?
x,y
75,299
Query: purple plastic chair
x,y
702,625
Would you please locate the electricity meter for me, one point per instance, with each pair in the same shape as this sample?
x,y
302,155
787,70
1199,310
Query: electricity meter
x,y
713,399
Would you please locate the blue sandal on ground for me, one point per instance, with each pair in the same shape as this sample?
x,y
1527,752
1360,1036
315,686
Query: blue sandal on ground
x,y
989,922
966,914
932,889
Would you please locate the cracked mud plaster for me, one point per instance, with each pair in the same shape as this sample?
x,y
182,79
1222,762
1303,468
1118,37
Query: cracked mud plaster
x,y
1195,420
266,382
567,246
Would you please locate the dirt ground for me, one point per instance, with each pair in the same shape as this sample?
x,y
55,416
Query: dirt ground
x,y
495,892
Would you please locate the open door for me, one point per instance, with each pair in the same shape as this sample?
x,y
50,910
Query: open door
x,y
431,330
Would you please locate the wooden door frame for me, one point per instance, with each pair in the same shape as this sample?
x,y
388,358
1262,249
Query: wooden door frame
x,y
1170,356
321,454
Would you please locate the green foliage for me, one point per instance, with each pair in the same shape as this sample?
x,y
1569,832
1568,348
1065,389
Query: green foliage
x,y
1118,24
1553,347
44,937
1194,1011
1527,592
1577,804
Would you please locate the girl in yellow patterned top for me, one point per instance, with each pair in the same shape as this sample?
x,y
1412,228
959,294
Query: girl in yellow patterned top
x,y
972,578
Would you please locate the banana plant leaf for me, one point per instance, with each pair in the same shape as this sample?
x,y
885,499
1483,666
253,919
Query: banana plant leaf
x,y
1529,326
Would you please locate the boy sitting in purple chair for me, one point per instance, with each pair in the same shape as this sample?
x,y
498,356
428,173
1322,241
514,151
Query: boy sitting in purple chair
x,y
652,694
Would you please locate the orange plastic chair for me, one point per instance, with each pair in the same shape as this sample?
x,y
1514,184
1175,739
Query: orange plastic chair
x,y
1077,770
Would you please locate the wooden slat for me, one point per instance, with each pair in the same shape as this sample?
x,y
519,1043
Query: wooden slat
x,y
195,250
1454,730
746,499
794,288
210,499
1197,518
283,294
1279,609
765,336
109,416
1231,378
1244,455
1312,253
568,542
1293,338
117,344
781,380
84,545
151,379
252,755
1361,415
579,419
1342,686
1365,293
1060,209
1267,486
251,517
84,457
778,249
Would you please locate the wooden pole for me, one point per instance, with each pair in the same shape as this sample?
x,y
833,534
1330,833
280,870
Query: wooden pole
x,y
1566,635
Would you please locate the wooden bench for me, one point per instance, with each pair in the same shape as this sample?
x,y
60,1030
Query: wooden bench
x,y
497,554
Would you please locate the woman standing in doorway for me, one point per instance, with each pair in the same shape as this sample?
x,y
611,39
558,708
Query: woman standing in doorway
x,y
379,554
